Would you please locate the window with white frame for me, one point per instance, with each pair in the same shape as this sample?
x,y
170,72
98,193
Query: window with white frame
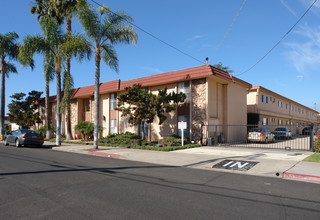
x,y
291,107
113,101
113,126
279,122
287,106
280,104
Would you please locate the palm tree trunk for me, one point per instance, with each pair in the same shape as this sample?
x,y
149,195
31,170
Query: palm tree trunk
x,y
3,90
48,132
96,98
68,68
58,132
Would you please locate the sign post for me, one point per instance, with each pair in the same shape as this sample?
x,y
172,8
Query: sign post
x,y
182,125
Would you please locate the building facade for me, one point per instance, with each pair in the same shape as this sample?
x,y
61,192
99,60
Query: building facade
x,y
274,109
213,98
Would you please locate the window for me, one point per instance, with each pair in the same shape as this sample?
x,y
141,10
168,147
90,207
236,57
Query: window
x,y
113,126
264,121
287,106
302,111
185,88
279,122
296,109
185,118
146,128
287,122
291,123
264,99
291,107
86,105
113,101
280,104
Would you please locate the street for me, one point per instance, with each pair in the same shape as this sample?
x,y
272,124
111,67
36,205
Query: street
x,y
39,183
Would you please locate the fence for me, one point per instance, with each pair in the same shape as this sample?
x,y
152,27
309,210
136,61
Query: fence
x,y
260,136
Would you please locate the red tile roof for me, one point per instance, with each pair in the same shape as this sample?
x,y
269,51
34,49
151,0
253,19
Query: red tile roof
x,y
105,87
179,75
159,79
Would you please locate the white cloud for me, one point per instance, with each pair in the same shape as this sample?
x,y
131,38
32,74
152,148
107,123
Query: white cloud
x,y
305,55
151,69
195,37
300,76
285,4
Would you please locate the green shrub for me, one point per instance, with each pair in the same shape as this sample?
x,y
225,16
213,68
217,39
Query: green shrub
x,y
126,138
43,130
86,129
173,140
317,146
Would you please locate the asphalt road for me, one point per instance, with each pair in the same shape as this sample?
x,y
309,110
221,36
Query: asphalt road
x,y
46,184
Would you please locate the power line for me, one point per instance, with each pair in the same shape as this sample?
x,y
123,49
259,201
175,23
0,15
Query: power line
x,y
279,40
225,36
155,37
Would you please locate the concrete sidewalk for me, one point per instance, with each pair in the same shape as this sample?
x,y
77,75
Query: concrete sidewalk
x,y
261,162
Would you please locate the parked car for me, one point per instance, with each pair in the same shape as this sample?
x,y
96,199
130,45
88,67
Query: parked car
x,y
307,131
261,135
284,133
24,137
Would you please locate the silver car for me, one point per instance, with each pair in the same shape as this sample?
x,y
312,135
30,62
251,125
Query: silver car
x,y
261,135
24,137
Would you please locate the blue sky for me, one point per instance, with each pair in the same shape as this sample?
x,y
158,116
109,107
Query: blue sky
x,y
196,28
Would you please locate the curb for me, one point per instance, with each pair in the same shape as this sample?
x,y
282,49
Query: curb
x,y
103,154
301,176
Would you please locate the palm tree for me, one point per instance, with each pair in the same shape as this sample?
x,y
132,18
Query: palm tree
x,y
59,9
223,68
46,8
60,46
67,8
8,50
105,29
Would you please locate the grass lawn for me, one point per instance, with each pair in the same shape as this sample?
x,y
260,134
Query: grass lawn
x,y
313,158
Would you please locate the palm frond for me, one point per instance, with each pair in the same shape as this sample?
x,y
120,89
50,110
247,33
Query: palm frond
x,y
77,46
10,68
30,46
109,56
88,19
8,45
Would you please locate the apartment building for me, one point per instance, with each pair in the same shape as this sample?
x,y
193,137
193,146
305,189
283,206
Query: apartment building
x,y
213,98
266,107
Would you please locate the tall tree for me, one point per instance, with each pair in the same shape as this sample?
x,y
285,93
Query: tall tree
x,y
141,105
9,49
59,9
105,29
68,8
22,111
223,68
46,8
60,46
